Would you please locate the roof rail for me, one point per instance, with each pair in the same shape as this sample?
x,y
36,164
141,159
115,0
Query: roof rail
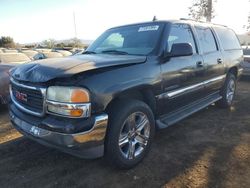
x,y
188,19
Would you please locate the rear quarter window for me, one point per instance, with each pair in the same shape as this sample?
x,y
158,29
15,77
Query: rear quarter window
x,y
228,38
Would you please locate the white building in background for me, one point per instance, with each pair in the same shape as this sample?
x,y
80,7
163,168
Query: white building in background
x,y
245,39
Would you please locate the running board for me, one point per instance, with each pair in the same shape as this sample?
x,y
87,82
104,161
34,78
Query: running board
x,y
171,118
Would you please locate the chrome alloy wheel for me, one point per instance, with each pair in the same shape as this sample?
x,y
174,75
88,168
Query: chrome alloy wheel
x,y
134,135
230,91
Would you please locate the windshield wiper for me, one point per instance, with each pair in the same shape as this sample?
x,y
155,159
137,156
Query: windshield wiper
x,y
89,52
115,52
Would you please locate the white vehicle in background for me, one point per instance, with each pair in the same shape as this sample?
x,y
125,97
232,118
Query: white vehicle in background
x,y
65,53
41,50
246,63
46,55
10,51
30,53
78,52
13,58
2,50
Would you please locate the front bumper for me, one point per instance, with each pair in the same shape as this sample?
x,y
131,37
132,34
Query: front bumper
x,y
86,144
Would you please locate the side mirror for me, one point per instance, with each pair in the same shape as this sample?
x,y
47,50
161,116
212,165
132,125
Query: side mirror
x,y
181,49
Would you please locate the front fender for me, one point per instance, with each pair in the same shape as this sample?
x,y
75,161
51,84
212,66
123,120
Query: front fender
x,y
106,86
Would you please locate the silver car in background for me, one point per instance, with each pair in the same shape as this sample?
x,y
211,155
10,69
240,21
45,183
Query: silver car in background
x,y
8,61
246,63
30,53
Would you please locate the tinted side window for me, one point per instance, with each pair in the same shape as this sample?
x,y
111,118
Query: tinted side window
x,y
206,39
181,33
228,39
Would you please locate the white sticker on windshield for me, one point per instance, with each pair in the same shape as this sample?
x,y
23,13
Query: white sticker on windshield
x,y
149,28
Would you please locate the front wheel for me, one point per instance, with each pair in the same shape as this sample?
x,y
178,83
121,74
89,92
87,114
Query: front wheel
x,y
130,133
228,92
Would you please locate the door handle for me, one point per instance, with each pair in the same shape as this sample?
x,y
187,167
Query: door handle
x,y
219,60
199,64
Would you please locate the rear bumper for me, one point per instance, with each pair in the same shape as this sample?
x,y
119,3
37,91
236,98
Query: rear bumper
x,y
86,144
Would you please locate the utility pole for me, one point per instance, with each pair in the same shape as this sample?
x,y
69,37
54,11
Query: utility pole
x,y
201,9
74,17
209,10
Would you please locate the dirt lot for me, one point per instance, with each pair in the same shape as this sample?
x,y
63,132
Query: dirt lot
x,y
209,149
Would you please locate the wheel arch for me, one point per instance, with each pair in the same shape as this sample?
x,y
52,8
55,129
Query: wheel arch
x,y
143,94
234,71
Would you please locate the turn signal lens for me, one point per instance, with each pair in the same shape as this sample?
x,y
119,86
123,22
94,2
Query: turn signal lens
x,y
79,96
65,111
76,113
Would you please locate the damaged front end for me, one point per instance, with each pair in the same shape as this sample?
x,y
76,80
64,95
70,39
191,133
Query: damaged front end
x,y
52,104
66,124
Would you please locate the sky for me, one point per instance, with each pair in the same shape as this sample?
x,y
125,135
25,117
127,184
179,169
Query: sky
x,y
30,21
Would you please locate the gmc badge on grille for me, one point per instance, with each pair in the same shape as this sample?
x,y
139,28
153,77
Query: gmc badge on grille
x,y
21,96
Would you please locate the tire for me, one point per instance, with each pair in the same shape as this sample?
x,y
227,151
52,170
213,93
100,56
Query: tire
x,y
127,140
228,92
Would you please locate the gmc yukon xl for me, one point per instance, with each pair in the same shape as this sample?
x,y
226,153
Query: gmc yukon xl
x,y
131,81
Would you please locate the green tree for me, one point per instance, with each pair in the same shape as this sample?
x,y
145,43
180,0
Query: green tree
x,y
7,42
247,26
61,45
30,45
49,43
248,23
76,42
201,9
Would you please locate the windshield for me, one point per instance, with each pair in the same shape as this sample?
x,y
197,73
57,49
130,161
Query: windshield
x,y
133,40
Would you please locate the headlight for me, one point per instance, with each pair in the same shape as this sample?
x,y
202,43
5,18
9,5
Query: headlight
x,y
68,101
67,94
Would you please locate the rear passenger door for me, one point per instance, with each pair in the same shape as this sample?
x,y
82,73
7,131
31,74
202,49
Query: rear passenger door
x,y
212,57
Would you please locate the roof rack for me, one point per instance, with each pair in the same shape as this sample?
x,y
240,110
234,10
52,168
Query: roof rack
x,y
188,19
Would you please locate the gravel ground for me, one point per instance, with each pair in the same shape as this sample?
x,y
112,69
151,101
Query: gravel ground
x,y
209,149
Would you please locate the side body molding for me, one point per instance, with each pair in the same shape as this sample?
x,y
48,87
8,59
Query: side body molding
x,y
189,89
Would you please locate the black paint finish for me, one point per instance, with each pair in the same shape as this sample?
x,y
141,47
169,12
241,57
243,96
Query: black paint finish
x,y
150,78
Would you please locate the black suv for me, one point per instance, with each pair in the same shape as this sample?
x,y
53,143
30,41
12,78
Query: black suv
x,y
132,80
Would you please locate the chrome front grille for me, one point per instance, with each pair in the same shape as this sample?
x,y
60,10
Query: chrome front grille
x,y
27,98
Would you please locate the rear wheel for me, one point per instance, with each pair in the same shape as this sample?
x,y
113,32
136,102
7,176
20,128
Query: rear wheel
x,y
228,91
130,133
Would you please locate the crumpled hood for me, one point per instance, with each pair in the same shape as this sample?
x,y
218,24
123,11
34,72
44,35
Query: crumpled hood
x,y
45,70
